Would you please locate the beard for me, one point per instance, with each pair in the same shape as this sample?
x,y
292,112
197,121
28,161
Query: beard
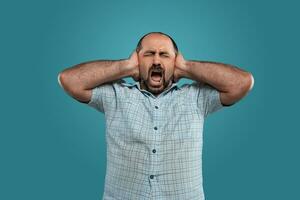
x,y
156,81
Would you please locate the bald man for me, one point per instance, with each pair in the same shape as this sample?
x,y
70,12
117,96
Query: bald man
x,y
154,128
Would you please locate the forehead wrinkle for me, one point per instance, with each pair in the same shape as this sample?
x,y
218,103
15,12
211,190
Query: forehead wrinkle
x,y
162,50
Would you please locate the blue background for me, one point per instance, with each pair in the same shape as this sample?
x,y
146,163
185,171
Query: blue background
x,y
53,147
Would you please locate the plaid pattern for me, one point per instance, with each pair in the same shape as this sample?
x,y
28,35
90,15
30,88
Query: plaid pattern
x,y
154,144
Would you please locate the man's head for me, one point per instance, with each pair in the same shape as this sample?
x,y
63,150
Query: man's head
x,y
157,54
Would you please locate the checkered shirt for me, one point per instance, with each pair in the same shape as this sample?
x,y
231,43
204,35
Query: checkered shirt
x,y
154,144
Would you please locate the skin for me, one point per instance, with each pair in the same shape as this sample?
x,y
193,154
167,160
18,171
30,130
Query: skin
x,y
157,51
232,83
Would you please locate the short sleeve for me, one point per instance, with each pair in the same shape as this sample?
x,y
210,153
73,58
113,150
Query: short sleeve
x,y
207,98
104,96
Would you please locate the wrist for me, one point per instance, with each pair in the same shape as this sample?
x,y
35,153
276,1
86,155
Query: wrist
x,y
131,69
186,69
195,70
123,67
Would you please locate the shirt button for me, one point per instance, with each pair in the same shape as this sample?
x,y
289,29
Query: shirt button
x,y
154,150
151,176
156,107
155,128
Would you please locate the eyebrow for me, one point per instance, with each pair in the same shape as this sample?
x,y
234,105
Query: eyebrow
x,y
153,51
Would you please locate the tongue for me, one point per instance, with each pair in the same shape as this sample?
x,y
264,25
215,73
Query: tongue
x,y
156,77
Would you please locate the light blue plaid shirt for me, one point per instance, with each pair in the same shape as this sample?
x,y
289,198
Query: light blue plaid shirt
x,y
154,144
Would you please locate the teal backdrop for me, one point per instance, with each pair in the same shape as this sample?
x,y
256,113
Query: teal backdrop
x,y
53,147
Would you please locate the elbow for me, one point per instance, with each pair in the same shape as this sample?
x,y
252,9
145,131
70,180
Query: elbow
x,y
243,86
59,79
71,87
248,82
62,80
252,82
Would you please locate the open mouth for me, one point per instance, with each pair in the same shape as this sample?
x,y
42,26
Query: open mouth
x,y
156,76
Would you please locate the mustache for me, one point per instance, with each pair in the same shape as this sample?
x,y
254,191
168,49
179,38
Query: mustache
x,y
155,67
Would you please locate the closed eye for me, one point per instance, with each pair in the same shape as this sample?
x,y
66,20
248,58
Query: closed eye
x,y
164,54
148,54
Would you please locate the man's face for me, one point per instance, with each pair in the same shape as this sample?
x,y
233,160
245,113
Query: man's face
x,y
156,63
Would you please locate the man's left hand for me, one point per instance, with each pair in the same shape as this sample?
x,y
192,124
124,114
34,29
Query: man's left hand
x,y
180,68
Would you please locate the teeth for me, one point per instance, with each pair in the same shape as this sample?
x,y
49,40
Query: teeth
x,y
157,72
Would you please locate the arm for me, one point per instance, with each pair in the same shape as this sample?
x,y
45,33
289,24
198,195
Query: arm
x,y
232,83
80,79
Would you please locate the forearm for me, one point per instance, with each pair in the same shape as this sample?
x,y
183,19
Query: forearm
x,y
88,75
225,78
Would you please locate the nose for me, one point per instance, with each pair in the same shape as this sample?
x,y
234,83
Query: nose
x,y
156,59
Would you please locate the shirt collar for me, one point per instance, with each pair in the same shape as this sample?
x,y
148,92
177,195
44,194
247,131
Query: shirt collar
x,y
138,86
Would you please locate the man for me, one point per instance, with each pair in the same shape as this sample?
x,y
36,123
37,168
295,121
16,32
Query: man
x,y
153,127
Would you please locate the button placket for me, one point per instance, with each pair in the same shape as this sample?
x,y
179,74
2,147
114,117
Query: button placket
x,y
156,140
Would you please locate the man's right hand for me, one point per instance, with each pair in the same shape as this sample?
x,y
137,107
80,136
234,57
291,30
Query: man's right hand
x,y
133,65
